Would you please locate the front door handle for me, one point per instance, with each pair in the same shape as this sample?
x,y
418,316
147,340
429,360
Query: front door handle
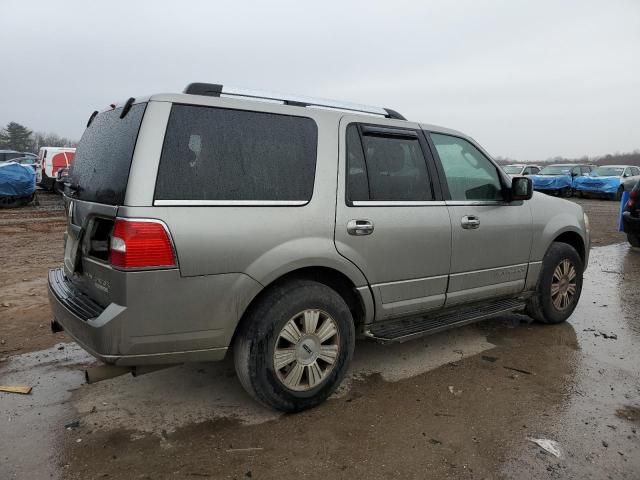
x,y
360,227
470,222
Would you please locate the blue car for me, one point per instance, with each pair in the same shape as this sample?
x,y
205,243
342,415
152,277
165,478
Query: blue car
x,y
607,181
559,179
17,184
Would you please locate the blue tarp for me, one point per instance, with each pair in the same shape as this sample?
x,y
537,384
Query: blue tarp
x,y
551,182
16,180
598,184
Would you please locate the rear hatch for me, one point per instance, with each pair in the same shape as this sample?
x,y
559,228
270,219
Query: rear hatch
x,y
96,188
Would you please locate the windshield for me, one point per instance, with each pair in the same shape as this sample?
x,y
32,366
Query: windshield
x,y
607,172
100,170
556,170
512,169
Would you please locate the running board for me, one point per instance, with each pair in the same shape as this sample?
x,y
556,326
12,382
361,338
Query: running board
x,y
410,328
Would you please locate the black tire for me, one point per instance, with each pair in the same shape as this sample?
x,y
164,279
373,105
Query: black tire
x,y
259,332
618,194
541,306
634,239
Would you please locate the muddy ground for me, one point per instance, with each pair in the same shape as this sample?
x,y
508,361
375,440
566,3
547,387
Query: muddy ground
x,y
461,404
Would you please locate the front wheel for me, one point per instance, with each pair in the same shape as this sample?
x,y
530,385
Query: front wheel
x,y
294,346
633,239
559,286
619,193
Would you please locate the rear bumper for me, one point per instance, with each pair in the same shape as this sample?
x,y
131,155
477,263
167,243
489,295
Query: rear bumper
x,y
140,334
630,224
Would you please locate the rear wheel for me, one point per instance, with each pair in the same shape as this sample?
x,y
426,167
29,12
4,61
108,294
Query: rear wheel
x,y
634,239
559,286
295,345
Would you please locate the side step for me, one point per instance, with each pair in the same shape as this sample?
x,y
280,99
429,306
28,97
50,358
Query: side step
x,y
409,328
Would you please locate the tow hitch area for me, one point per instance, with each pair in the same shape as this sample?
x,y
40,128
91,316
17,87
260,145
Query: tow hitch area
x,y
56,327
105,372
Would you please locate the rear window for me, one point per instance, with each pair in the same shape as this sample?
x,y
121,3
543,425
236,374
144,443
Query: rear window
x,y
103,158
217,154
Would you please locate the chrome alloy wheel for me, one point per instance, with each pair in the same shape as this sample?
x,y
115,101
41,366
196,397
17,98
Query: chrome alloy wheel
x,y
306,350
563,285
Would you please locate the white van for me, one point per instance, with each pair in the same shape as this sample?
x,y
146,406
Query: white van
x,y
50,160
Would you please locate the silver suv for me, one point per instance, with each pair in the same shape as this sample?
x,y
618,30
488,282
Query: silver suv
x,y
285,227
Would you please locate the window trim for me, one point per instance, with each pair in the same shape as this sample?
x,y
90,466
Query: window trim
x,y
235,203
397,203
230,203
443,178
377,130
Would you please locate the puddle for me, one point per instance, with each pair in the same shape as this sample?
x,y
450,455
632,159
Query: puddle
x,y
32,425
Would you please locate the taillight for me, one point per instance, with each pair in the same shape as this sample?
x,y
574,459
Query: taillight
x,y
632,199
139,244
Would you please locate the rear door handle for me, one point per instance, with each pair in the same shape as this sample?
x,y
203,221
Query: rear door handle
x,y
360,227
470,222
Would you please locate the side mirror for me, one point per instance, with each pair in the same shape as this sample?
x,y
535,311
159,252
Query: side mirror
x,y
521,188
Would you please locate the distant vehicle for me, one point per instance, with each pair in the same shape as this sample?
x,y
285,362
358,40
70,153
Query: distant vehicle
x,y
30,161
520,169
51,160
559,179
6,155
631,216
61,178
607,181
17,184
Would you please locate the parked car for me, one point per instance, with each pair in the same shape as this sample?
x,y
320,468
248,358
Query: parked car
x,y
631,216
30,161
52,159
8,155
17,184
62,177
607,181
559,179
514,170
285,227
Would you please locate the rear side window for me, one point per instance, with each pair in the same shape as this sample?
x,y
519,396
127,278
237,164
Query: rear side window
x,y
384,167
100,169
225,155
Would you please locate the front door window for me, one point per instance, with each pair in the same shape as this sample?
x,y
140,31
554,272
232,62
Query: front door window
x,y
470,175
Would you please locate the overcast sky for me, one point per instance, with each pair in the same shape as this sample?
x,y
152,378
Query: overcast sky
x,y
528,80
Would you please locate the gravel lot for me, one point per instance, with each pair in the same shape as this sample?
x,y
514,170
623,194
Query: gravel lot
x,y
461,404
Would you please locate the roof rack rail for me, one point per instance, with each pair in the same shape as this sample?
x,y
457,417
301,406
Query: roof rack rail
x,y
216,90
